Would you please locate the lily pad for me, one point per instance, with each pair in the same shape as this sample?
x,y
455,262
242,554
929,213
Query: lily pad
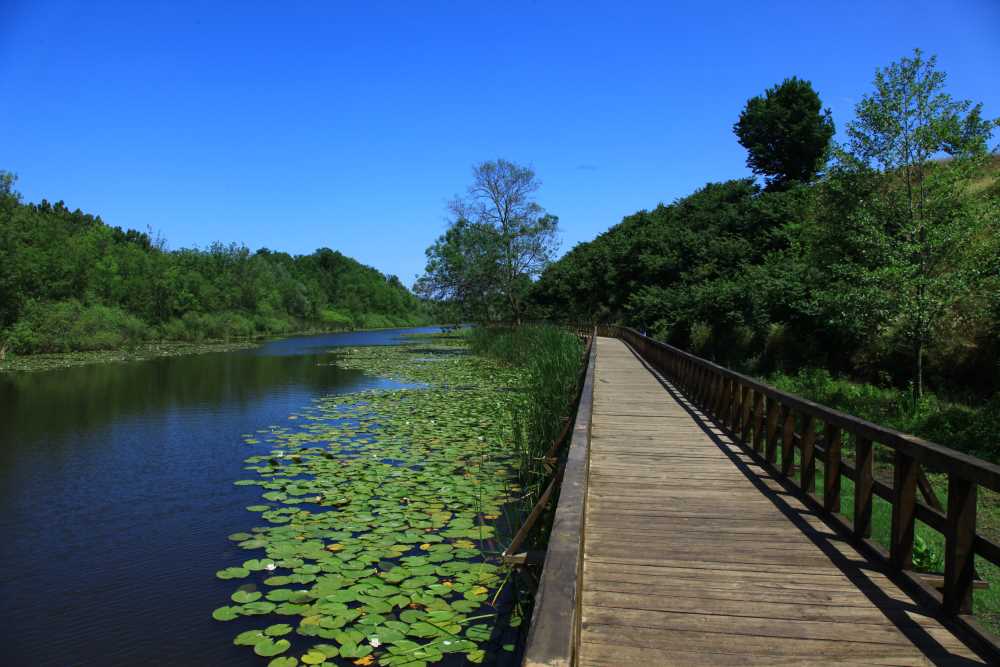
x,y
226,613
242,597
268,647
278,630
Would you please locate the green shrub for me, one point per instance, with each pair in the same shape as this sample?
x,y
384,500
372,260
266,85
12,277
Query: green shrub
x,y
373,321
69,325
174,329
332,318
963,427
701,337
274,324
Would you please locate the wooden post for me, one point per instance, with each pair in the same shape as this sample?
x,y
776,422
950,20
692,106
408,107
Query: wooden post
x,y
718,399
772,429
831,474
706,400
758,421
807,473
904,501
863,488
745,407
788,443
732,405
719,407
723,403
959,551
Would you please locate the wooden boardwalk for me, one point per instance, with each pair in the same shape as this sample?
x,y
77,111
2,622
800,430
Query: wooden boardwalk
x,y
694,555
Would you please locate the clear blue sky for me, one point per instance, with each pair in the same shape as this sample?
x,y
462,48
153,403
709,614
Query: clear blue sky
x,y
349,125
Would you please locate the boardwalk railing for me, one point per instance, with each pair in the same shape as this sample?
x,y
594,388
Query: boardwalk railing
x,y
780,427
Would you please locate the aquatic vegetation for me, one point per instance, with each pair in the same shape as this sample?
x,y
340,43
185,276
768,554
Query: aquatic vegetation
x,y
380,515
550,362
141,352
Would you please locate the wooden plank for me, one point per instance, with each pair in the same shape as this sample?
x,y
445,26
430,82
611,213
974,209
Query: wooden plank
x,y
903,511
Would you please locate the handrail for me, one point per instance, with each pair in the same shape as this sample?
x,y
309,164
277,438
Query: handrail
x,y
776,425
555,622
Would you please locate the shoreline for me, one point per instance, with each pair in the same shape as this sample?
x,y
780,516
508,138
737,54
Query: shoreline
x,y
46,361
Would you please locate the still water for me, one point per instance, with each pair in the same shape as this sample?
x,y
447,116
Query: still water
x,y
116,497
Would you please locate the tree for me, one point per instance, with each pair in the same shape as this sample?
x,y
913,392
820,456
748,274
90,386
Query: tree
x,y
498,242
786,133
920,220
461,269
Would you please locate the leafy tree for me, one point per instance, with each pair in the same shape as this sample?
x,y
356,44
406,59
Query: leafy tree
x,y
921,221
499,240
461,268
786,133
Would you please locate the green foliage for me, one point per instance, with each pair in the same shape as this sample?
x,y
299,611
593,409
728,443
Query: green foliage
x,y
925,557
786,133
835,273
926,235
68,325
499,240
70,282
970,429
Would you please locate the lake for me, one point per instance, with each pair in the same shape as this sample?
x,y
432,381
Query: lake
x,y
116,496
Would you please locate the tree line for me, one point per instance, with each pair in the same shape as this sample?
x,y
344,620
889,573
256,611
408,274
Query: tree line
x,y
68,281
877,258
856,274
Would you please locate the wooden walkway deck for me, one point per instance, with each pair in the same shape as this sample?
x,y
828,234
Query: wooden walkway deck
x,y
694,555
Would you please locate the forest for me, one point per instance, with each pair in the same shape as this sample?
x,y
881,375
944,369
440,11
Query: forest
x,y
71,282
864,275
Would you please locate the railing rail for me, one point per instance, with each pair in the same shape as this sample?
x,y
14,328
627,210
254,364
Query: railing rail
x,y
777,425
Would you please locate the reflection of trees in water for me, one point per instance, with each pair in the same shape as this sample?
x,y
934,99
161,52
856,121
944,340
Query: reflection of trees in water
x,y
85,397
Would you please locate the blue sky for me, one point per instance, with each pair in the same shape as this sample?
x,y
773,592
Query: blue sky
x,y
350,125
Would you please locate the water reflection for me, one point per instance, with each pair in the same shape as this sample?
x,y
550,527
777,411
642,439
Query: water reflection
x,y
116,496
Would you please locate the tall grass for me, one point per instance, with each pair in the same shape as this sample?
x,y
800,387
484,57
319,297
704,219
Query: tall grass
x,y
552,359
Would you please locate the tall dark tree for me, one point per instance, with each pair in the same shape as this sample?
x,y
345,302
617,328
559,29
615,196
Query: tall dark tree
x,y
786,133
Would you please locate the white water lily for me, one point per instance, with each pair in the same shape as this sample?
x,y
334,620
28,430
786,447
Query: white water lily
x,y
374,641
480,438
270,567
